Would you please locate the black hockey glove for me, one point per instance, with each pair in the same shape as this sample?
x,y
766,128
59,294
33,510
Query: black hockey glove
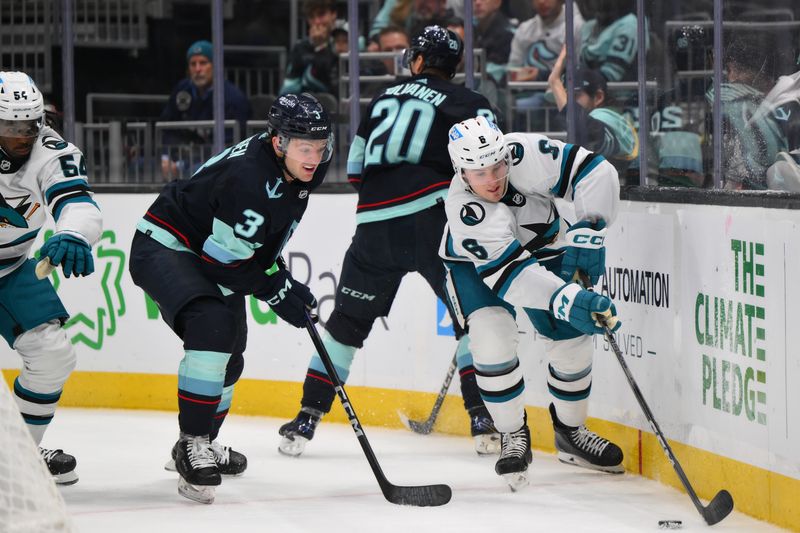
x,y
289,298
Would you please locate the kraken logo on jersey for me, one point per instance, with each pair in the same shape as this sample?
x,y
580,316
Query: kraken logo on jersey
x,y
53,143
517,151
540,56
472,213
5,164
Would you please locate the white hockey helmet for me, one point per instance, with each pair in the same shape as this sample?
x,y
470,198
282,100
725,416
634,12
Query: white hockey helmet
x,y
477,143
21,105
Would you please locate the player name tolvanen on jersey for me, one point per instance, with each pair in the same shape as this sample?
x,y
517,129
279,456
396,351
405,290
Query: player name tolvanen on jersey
x,y
236,212
52,179
398,161
507,241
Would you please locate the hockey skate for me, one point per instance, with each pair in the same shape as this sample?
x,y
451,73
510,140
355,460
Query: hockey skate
x,y
61,466
580,447
515,456
198,470
229,461
299,431
481,426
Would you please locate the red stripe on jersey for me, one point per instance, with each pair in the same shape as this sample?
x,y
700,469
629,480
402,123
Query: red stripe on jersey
x,y
178,233
407,196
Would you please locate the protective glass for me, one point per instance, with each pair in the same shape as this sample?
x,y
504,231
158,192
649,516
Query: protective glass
x,y
307,151
20,128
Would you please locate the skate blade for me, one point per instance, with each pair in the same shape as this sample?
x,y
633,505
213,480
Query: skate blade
x,y
516,480
488,444
292,447
198,493
67,478
569,459
169,466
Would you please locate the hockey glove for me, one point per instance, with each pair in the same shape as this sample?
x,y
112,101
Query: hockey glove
x,y
585,310
586,250
71,252
289,298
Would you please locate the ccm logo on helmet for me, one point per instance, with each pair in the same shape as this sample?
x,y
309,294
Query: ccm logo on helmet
x,y
594,240
319,128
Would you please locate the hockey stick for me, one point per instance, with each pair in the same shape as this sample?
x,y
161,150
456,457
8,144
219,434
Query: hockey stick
x,y
420,496
722,504
426,427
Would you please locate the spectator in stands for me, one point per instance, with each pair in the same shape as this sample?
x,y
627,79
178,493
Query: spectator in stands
x,y
390,39
609,41
411,15
313,61
535,48
340,36
600,128
783,104
493,33
192,99
749,147
538,41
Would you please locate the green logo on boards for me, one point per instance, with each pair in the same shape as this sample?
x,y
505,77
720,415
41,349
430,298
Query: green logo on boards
x,y
91,327
733,333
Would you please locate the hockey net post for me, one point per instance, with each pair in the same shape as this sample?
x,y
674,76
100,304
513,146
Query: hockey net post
x,y
29,498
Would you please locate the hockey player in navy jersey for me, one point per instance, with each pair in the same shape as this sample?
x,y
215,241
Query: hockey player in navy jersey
x,y
40,173
209,241
506,245
398,163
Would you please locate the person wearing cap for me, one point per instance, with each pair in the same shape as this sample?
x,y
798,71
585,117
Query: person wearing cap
x,y
192,99
313,61
600,129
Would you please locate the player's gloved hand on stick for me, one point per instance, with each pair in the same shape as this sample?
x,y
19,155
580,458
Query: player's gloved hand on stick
x,y
71,252
586,250
586,311
289,298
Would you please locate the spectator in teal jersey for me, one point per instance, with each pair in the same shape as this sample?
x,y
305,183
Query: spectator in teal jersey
x,y
749,147
600,128
609,41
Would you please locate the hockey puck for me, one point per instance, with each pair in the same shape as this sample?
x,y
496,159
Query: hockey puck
x,y
670,524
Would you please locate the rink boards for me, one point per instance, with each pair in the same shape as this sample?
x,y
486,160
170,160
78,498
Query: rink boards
x,y
706,297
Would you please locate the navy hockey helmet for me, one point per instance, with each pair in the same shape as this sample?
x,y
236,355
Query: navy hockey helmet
x,y
441,49
299,116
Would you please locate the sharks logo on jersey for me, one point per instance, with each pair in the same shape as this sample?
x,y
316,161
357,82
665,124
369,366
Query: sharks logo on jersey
x,y
16,216
472,214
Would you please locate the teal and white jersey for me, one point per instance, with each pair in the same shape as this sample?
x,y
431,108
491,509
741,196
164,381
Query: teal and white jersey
x,y
611,50
537,44
53,179
749,147
508,240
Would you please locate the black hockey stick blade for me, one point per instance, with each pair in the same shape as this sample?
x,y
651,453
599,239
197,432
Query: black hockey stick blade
x,y
718,508
423,428
421,496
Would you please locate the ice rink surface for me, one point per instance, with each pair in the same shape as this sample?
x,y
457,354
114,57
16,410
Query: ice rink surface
x,y
124,488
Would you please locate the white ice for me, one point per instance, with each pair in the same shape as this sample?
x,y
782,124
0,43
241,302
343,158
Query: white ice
x,y
124,488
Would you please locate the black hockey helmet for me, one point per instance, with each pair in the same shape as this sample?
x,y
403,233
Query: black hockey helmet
x,y
441,48
299,116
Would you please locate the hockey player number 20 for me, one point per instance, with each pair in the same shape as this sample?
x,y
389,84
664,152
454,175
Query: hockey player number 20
x,y
397,120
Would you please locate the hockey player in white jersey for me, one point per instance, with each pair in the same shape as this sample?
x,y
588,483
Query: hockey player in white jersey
x,y
506,245
40,172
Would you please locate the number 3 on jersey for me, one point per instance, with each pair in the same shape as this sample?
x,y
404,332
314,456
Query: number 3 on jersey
x,y
408,126
251,224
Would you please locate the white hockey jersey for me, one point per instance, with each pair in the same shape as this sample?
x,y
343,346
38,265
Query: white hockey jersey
x,y
509,240
537,44
52,179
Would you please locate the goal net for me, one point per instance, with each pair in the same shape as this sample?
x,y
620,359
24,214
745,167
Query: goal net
x,y
29,499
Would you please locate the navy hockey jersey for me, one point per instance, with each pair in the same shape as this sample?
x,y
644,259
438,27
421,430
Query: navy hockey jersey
x,y
236,213
398,161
